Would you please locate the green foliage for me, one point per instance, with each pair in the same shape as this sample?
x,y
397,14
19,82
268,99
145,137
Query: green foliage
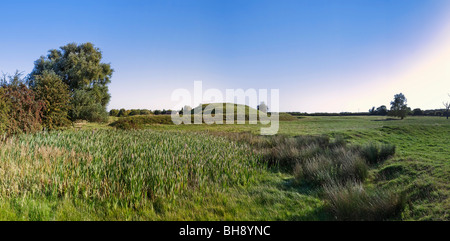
x,y
4,111
138,122
81,69
133,112
399,107
50,89
417,112
382,110
123,113
145,112
84,107
79,66
114,112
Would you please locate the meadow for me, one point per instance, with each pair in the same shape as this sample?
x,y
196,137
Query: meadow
x,y
229,172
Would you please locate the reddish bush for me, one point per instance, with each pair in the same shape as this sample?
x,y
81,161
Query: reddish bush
x,y
25,113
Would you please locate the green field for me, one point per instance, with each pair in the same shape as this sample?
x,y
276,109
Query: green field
x,y
200,172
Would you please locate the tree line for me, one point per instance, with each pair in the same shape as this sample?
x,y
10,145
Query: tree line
x,y
68,84
134,112
399,108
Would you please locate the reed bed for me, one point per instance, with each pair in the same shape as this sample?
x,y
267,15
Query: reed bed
x,y
127,168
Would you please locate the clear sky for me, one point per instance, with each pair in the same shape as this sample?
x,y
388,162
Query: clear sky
x,y
323,55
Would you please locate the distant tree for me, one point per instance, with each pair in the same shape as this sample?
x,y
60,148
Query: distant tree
x,y
382,110
114,112
80,67
399,107
24,110
50,89
187,110
157,112
134,112
417,112
263,107
145,112
447,107
122,113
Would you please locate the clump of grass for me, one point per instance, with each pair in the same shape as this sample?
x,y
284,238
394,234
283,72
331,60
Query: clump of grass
x,y
335,165
336,169
351,202
376,153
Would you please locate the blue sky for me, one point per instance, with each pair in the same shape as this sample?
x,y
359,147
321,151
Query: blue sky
x,y
323,55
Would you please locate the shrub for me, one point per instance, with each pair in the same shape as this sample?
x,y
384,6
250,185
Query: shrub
x,y
114,112
145,112
351,201
137,122
50,89
25,112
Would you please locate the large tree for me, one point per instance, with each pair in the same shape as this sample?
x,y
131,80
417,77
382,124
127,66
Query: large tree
x,y
398,106
80,67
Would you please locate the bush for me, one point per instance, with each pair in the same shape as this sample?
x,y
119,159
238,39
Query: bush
x,y
351,201
114,112
137,122
25,111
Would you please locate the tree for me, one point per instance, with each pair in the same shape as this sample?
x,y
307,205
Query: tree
x,y
398,106
447,107
263,107
50,89
114,112
382,110
187,110
123,113
80,68
145,112
134,112
417,112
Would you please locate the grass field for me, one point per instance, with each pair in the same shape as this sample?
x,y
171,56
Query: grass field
x,y
197,172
